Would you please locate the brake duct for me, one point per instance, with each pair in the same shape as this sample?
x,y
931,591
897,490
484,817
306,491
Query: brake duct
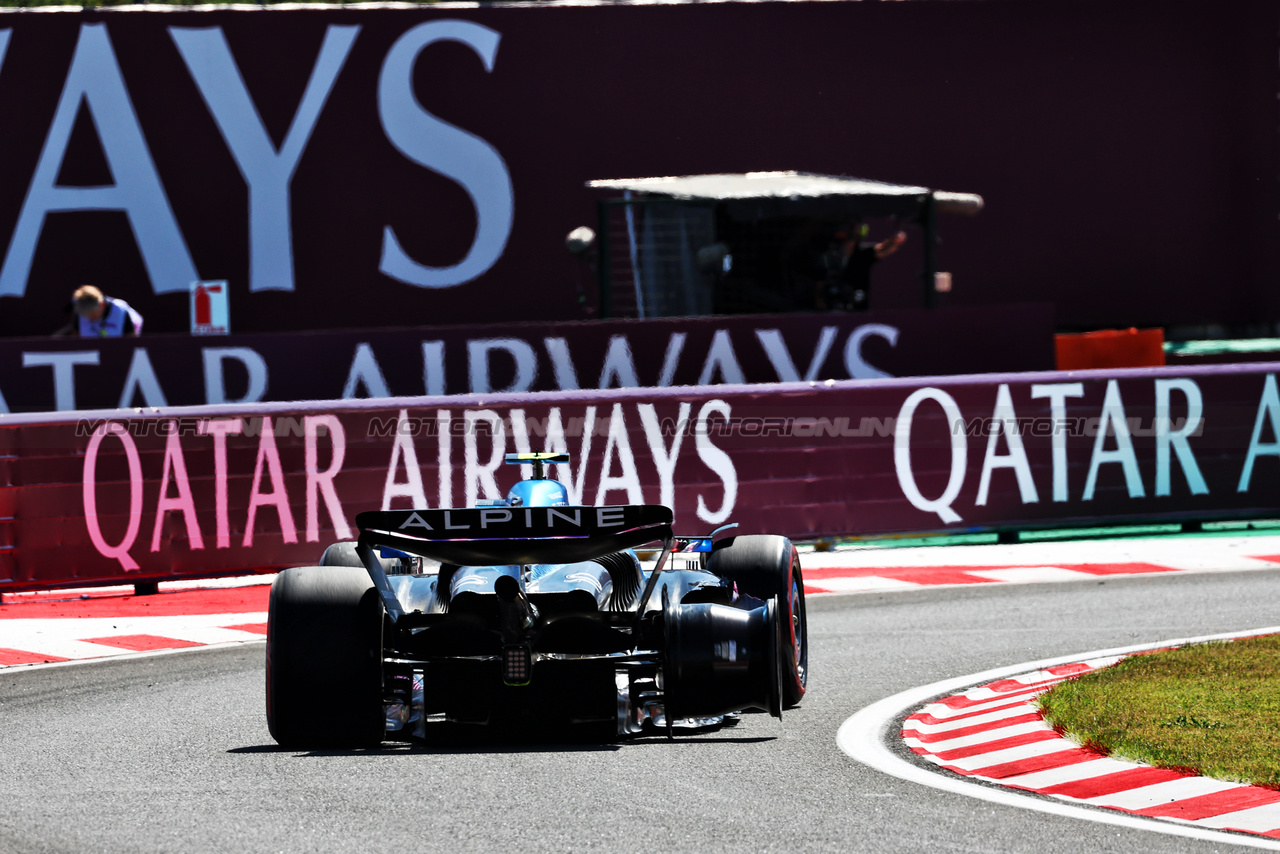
x,y
720,659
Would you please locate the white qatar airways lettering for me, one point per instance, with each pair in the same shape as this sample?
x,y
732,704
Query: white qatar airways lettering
x,y
462,157
267,171
479,353
1004,421
1168,439
365,374
1112,426
63,364
618,445
1057,393
366,378
715,458
902,454
141,379
525,362
94,79
215,384
1114,421
1268,413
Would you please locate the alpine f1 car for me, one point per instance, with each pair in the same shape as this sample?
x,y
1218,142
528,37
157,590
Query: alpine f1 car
x,y
530,611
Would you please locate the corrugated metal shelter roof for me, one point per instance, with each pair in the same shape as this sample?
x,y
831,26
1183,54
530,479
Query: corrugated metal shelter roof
x,y
855,195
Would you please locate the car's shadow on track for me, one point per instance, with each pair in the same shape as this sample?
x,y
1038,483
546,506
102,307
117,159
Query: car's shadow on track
x,y
444,740
687,739
411,748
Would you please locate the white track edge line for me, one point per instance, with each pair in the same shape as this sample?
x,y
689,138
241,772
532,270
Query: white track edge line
x,y
150,653
981,584
863,737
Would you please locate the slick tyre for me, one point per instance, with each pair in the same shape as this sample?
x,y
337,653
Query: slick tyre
x,y
344,554
324,659
762,566
341,554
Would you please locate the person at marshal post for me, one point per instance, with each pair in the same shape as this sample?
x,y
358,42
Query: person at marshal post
x,y
100,316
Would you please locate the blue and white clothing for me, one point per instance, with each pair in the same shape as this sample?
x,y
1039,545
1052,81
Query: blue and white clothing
x,y
118,318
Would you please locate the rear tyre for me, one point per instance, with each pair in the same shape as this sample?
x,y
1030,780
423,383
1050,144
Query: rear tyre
x,y
344,554
766,565
324,659
341,554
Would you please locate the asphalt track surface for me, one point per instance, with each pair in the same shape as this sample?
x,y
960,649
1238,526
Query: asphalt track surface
x,y
171,753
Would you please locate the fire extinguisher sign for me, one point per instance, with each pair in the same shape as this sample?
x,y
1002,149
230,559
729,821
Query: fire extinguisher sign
x,y
210,314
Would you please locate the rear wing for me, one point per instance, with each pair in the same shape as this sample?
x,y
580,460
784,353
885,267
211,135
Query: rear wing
x,y
488,536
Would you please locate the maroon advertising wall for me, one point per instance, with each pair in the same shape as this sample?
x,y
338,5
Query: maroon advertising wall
x,y
179,370
354,168
210,490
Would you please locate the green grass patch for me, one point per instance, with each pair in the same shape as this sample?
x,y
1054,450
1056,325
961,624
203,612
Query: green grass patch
x,y
1212,707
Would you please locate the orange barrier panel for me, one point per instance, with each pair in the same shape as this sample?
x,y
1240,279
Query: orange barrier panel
x,y
1110,348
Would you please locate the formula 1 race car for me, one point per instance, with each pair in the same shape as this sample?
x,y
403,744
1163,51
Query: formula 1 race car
x,y
528,611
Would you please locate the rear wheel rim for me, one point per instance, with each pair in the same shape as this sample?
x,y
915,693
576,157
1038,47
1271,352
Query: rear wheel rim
x,y
797,629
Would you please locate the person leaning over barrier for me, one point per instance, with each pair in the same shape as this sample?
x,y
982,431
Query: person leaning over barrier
x,y
100,316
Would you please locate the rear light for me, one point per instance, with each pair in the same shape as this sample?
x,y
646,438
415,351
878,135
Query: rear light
x,y
517,664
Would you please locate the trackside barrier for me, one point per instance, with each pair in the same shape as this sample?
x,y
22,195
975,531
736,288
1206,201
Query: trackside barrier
x,y
46,374
136,496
